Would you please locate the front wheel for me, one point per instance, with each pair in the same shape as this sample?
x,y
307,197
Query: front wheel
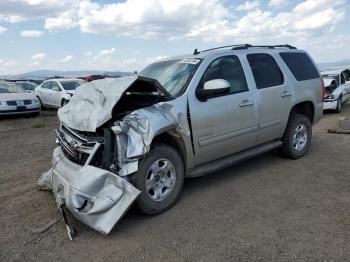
x,y
297,137
64,102
160,179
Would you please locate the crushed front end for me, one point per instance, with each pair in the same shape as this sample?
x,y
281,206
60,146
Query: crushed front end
x,y
106,129
82,180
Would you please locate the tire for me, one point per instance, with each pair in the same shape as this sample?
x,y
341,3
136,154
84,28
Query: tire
x,y
64,102
339,105
153,202
297,137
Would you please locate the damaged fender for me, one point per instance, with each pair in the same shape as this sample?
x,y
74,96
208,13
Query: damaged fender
x,y
138,129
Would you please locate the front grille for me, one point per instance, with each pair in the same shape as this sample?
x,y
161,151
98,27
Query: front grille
x,y
19,102
11,103
71,144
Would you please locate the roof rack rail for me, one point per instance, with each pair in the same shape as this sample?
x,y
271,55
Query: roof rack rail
x,y
264,46
244,46
196,52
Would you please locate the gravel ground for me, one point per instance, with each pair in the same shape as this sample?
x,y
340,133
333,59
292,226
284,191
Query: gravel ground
x,y
265,209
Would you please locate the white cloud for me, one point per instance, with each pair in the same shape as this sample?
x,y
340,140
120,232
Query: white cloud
x,y
249,5
31,33
17,11
155,59
277,3
66,59
2,29
37,59
107,51
65,21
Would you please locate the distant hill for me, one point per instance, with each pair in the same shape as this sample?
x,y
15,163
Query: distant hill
x,y
338,64
43,74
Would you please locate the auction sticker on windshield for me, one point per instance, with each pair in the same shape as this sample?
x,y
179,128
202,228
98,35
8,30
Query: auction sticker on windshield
x,y
192,61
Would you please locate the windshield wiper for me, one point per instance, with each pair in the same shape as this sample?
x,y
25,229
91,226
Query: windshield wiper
x,y
157,85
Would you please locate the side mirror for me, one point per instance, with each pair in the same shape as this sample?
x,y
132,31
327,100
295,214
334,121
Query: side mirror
x,y
56,88
213,88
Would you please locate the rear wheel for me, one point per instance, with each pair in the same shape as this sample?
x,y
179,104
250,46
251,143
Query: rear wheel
x,y
160,179
297,137
339,105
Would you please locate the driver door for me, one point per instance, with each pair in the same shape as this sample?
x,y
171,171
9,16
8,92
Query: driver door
x,y
228,123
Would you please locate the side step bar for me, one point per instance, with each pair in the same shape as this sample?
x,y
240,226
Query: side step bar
x,y
234,159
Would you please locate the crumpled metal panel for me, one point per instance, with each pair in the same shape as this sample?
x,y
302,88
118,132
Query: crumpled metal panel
x,y
142,125
92,104
107,195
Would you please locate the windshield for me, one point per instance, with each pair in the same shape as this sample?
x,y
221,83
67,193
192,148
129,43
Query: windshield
x,y
173,75
27,86
10,88
70,85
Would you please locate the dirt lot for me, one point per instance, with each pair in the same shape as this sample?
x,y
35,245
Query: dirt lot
x,y
265,209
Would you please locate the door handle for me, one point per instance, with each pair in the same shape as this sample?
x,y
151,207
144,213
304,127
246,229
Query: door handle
x,y
246,102
285,93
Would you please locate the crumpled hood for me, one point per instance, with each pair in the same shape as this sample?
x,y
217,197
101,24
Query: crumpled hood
x,y
92,103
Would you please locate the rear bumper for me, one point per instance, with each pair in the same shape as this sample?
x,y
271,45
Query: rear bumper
x,y
93,195
330,104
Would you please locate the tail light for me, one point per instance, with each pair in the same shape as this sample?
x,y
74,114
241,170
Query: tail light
x,y
323,88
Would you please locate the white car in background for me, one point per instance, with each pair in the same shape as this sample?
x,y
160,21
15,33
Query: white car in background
x,y
27,86
15,100
337,87
57,92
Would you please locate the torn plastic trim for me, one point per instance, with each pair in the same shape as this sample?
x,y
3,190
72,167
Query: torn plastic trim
x,y
104,195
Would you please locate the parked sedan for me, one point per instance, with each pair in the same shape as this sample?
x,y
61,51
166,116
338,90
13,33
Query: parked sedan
x,y
57,92
27,86
15,100
337,87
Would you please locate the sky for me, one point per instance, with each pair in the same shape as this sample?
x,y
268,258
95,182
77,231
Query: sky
x,y
127,35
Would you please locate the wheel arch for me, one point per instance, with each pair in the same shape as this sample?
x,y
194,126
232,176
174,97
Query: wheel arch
x,y
306,108
172,138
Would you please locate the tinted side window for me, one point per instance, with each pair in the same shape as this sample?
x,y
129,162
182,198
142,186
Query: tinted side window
x,y
300,65
230,69
47,85
54,84
265,70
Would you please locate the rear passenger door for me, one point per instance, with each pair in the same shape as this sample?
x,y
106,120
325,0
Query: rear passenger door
x,y
275,97
227,123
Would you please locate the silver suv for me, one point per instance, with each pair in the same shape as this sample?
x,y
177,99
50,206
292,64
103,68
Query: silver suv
x,y
138,137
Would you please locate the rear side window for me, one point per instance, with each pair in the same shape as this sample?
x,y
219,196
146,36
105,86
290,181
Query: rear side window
x,y
265,70
300,65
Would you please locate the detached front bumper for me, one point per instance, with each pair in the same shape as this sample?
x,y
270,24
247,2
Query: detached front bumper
x,y
95,196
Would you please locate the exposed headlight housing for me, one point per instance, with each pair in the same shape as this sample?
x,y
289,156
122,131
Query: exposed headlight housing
x,y
36,101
